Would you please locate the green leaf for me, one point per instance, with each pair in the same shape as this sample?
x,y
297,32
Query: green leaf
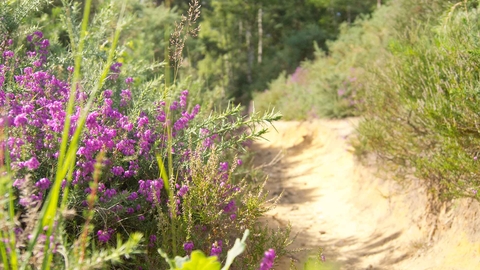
x,y
164,255
179,261
199,261
163,173
236,250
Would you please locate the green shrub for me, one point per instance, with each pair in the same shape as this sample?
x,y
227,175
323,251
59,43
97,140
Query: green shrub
x,y
90,150
421,102
328,86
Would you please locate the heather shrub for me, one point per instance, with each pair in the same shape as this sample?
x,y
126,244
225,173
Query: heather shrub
x,y
96,148
411,71
420,104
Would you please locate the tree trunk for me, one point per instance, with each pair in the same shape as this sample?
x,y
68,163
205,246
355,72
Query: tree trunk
x,y
379,3
349,16
240,31
260,36
250,52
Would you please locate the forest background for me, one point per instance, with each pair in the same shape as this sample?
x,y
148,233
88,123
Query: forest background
x,y
408,68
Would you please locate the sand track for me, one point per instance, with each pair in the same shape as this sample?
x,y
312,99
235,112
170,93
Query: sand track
x,y
361,220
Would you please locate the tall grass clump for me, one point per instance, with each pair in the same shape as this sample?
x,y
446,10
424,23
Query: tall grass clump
x,y
421,103
96,148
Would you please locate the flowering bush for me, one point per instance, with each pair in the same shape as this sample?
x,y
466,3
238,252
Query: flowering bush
x,y
197,203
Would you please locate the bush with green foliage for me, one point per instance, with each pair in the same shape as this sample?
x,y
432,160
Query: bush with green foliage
x,y
96,145
411,70
421,102
328,85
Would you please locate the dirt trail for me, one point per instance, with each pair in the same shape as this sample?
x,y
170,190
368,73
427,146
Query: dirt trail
x,y
361,221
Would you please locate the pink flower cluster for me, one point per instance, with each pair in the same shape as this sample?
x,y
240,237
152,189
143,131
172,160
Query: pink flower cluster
x,y
33,112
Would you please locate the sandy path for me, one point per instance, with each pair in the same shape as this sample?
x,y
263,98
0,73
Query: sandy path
x,y
361,221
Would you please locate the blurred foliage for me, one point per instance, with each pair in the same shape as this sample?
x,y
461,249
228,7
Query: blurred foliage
x,y
411,71
328,85
288,32
235,54
421,101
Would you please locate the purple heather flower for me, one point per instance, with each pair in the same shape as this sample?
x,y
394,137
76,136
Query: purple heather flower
x,y
110,193
183,190
127,147
82,96
129,173
295,76
107,93
126,97
43,184
37,197
188,247
133,196
174,106
153,239
18,183
104,236
183,99
24,202
161,117
8,54
130,210
122,121
142,121
20,120
128,80
141,217
39,34
18,231
239,162
267,262
91,121
223,166
195,110
64,183
28,70
230,207
115,67
70,69
181,123
208,142
45,43
32,163
216,249
118,170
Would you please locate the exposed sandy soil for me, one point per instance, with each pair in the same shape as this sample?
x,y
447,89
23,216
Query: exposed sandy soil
x,y
361,220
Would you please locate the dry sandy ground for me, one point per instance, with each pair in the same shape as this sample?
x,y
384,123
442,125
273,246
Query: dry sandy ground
x,y
361,220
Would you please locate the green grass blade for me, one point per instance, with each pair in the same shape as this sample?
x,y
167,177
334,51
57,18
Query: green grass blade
x,y
3,254
11,210
163,174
